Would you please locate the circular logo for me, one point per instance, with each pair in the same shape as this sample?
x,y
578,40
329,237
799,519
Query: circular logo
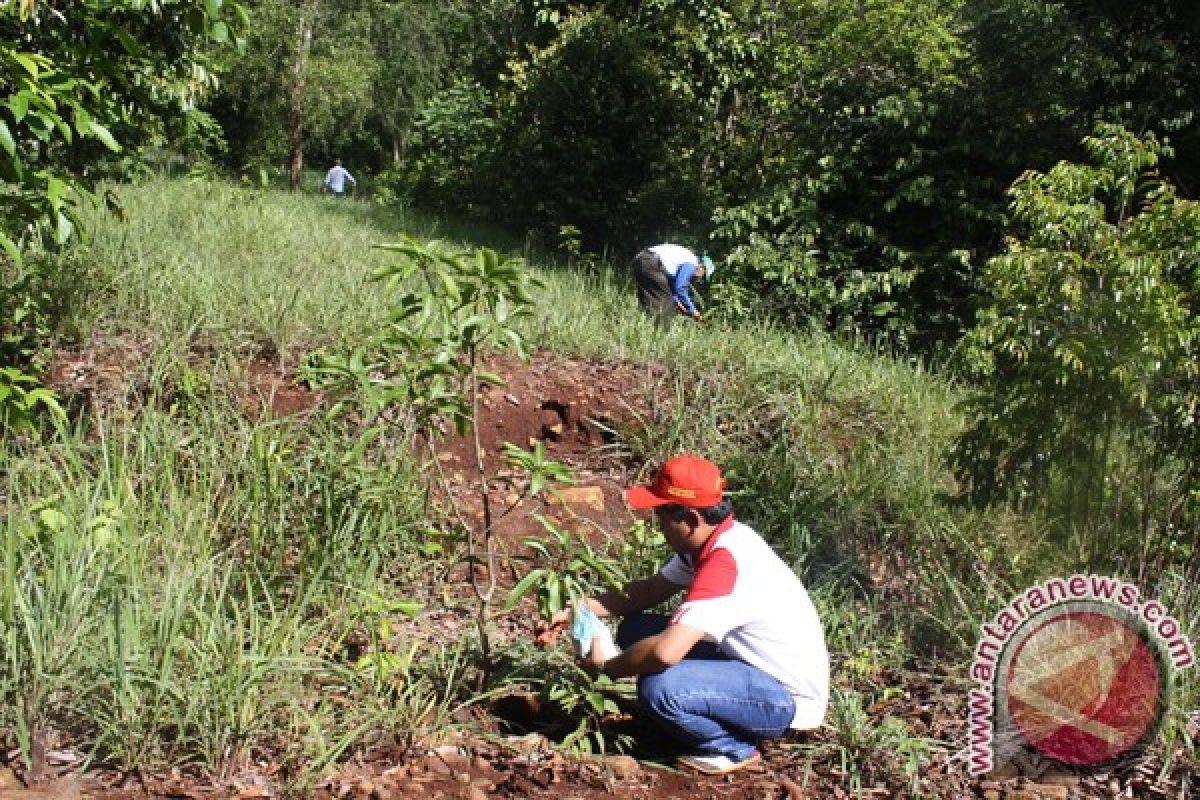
x,y
1084,684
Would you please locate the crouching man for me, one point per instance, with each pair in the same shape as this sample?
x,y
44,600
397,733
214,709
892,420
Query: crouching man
x,y
743,658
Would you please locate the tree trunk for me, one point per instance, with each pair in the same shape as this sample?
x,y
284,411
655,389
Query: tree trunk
x,y
304,34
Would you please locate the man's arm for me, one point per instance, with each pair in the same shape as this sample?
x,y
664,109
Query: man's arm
x,y
679,288
651,654
635,596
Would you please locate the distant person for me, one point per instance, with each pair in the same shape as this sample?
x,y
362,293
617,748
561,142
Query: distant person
x,y
743,657
335,179
663,274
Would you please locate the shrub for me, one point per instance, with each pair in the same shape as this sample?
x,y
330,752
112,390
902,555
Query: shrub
x,y
1086,355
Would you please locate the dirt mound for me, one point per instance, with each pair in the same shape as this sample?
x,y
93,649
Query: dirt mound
x,y
573,409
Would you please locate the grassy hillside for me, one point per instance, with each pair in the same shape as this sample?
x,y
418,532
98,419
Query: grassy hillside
x,y
179,574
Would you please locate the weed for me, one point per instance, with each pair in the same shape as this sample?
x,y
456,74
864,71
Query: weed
x,y
862,746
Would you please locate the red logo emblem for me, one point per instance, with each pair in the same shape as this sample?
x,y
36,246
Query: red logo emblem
x,y
1084,687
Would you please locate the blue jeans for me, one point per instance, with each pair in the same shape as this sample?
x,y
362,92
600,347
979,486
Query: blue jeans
x,y
713,704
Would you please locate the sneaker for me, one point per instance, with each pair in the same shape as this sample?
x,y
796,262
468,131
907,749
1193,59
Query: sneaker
x,y
716,764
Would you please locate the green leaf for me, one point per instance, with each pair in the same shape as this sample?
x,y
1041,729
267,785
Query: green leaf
x,y
19,104
27,62
56,191
523,586
6,139
102,133
128,42
10,248
51,519
553,595
409,608
63,229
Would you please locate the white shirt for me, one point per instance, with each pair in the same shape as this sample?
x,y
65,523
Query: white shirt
x,y
335,179
751,605
673,256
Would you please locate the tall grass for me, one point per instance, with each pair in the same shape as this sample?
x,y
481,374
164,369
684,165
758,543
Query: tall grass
x,y
236,267
180,586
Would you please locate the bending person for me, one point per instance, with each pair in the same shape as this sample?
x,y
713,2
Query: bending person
x,y
743,658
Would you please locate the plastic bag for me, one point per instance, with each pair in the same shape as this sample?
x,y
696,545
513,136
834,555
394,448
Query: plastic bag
x,y
585,627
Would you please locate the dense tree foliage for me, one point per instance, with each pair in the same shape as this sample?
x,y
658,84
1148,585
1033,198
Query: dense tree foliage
x,y
846,160
331,78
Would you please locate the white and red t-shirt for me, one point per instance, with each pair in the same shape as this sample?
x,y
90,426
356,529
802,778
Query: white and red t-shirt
x,y
751,605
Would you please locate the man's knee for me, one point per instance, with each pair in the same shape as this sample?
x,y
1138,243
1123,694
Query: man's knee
x,y
656,694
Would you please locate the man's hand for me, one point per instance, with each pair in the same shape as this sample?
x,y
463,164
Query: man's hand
x,y
593,662
546,634
696,316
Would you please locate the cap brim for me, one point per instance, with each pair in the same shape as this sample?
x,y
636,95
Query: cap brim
x,y
642,497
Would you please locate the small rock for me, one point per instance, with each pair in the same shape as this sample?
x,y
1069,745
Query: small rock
x,y
473,793
1039,791
64,789
8,779
991,794
623,767
512,398
590,496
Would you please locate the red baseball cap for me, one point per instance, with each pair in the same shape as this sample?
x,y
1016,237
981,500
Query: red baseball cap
x,y
684,480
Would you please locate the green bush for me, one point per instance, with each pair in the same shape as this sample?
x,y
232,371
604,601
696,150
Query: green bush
x,y
1087,354
450,152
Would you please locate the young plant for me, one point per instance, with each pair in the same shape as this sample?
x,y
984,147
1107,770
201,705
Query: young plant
x,y
572,570
21,397
569,570
451,308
